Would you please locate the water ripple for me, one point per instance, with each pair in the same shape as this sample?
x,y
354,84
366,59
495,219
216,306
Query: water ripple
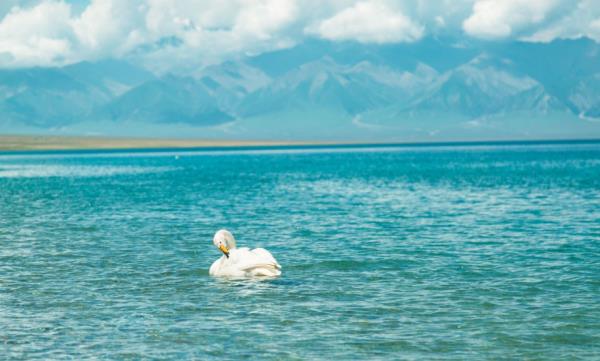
x,y
433,253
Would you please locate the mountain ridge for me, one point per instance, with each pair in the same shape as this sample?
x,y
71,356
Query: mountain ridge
x,y
390,91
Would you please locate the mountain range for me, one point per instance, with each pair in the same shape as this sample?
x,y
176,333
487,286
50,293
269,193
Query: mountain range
x,y
430,90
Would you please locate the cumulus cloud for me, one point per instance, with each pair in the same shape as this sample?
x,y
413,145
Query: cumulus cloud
x,y
499,19
190,33
581,20
370,22
37,36
184,35
595,27
110,27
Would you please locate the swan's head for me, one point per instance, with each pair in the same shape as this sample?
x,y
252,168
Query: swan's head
x,y
224,241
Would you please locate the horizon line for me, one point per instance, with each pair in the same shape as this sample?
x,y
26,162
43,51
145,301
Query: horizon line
x,y
115,144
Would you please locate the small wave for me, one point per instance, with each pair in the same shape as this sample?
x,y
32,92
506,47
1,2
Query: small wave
x,y
348,265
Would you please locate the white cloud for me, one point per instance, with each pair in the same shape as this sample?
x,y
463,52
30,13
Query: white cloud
x,y
210,31
49,33
184,35
595,27
503,18
370,22
576,21
110,27
260,19
36,36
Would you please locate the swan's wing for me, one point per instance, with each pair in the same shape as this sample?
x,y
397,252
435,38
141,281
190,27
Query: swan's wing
x,y
226,267
266,257
257,258
215,267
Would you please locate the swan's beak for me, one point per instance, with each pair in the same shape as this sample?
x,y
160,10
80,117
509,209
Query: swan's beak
x,y
224,250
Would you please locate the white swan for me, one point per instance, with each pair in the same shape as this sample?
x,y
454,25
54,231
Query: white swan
x,y
242,262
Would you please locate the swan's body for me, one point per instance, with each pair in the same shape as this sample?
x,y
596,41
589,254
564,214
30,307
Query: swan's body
x,y
242,262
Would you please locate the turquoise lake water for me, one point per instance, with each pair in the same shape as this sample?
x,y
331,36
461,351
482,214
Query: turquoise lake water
x,y
430,252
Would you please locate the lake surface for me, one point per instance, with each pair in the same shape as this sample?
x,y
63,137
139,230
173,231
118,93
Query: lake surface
x,y
439,252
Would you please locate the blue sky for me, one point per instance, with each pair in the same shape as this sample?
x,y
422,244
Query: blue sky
x,y
166,35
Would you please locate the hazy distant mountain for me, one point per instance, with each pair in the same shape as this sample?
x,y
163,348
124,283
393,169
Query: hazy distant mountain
x,y
328,90
44,97
51,97
585,96
482,87
166,100
322,83
110,76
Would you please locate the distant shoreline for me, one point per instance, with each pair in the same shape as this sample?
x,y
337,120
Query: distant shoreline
x,y
42,142
19,143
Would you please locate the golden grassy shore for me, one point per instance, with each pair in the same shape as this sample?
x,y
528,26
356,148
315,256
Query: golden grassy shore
x,y
42,142
22,142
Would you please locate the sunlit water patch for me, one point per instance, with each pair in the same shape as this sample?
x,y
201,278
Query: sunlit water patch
x,y
40,170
